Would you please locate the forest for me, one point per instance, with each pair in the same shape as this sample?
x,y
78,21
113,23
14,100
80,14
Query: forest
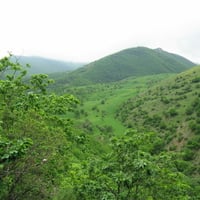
x,y
135,138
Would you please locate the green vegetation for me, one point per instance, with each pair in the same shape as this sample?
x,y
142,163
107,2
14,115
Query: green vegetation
x,y
45,65
133,169
137,138
99,103
33,136
171,109
136,62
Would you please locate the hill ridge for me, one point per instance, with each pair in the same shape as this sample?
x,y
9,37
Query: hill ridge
x,y
172,109
39,64
138,61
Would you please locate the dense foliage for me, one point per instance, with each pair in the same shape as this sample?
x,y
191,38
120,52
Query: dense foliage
x,y
33,136
171,108
135,168
43,155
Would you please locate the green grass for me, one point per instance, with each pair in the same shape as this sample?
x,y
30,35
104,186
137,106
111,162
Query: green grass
x,y
101,102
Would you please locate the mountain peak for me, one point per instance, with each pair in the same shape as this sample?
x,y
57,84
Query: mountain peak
x,y
139,61
159,49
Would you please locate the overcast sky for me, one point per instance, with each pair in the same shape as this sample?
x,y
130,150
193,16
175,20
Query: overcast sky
x,y
86,30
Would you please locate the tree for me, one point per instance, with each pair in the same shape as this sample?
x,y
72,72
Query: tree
x,y
133,170
34,137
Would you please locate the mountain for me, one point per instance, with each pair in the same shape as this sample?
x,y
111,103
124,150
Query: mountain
x,y
46,65
136,62
172,109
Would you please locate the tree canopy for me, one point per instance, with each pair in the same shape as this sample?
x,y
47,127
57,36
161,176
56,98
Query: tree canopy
x,y
33,134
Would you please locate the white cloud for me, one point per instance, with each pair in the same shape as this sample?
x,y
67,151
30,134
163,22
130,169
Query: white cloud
x,y
86,30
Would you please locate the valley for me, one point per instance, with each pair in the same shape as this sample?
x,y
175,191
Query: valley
x,y
99,103
123,127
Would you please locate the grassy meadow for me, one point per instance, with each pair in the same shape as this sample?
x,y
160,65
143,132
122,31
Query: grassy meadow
x,y
100,103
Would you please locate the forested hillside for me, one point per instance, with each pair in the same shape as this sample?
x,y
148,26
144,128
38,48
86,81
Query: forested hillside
x,y
172,109
57,146
46,65
136,62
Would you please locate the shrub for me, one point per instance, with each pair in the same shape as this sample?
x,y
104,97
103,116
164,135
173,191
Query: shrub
x,y
189,111
196,80
163,125
188,155
193,144
165,100
173,112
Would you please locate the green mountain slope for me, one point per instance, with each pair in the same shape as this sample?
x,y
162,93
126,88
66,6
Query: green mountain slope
x,y
138,61
46,65
100,102
172,109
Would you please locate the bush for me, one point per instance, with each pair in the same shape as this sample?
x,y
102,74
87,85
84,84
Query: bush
x,y
165,100
188,155
189,111
163,125
193,144
196,80
173,112
195,127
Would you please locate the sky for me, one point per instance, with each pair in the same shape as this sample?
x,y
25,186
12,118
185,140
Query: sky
x,y
86,30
